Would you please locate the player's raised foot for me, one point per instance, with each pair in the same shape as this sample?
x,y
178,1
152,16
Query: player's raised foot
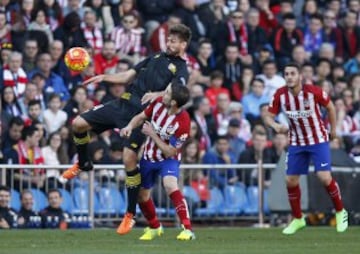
x,y
75,170
151,233
341,221
186,235
126,224
294,226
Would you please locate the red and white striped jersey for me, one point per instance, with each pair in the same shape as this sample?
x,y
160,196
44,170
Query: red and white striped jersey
x,y
172,129
303,112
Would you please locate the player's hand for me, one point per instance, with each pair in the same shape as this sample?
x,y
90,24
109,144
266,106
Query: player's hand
x,y
148,129
149,97
280,128
333,135
125,132
95,79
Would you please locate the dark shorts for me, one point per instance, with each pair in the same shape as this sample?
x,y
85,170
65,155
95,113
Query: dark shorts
x,y
299,157
115,114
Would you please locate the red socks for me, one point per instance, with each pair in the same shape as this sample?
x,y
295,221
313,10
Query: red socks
x,y
182,211
148,209
334,193
294,195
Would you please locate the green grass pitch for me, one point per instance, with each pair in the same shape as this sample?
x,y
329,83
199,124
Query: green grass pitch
x,y
209,240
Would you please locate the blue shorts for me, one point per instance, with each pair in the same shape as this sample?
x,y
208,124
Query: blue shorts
x,y
150,171
298,158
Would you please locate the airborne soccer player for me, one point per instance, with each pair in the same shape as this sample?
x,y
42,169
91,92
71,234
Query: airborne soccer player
x,y
144,82
309,140
167,130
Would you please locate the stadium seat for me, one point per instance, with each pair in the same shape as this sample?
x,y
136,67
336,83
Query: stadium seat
x,y
110,201
67,203
15,200
214,204
253,197
81,201
235,200
40,200
190,193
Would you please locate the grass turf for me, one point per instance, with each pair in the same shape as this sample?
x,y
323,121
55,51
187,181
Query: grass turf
x,y
209,240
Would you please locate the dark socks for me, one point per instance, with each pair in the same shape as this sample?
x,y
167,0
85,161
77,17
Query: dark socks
x,y
133,181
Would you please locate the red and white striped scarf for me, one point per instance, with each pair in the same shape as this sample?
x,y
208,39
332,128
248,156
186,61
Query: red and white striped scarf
x,y
243,37
93,36
18,83
24,158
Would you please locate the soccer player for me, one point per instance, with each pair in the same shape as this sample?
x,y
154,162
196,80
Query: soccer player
x,y
144,82
309,140
167,130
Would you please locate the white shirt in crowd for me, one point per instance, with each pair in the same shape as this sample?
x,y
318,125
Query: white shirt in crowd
x,y
53,121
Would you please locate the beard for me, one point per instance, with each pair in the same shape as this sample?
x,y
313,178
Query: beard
x,y
172,52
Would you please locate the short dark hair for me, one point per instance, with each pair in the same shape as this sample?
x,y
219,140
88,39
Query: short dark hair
x,y
179,93
16,120
289,16
221,137
216,75
29,131
197,101
4,188
53,96
54,190
294,65
182,31
34,102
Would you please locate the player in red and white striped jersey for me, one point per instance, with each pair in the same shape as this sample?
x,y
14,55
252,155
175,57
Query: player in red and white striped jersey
x,y
167,130
308,141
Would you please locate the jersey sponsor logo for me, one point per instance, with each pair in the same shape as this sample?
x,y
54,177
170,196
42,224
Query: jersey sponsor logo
x,y
299,114
172,68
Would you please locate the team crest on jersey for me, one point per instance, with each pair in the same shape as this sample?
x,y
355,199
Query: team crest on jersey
x,y
170,129
172,68
306,103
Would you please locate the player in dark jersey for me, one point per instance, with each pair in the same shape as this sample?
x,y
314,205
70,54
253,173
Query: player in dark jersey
x,y
144,82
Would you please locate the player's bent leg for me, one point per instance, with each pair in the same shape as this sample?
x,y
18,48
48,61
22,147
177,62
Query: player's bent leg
x,y
334,192
81,138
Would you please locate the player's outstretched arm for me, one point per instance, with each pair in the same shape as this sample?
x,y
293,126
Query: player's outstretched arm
x,y
167,150
332,119
134,123
119,78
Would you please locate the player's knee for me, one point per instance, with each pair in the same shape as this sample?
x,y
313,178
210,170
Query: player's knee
x,y
129,159
292,181
79,124
170,187
144,196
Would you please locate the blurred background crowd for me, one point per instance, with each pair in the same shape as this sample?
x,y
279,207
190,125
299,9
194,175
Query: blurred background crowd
x,y
235,59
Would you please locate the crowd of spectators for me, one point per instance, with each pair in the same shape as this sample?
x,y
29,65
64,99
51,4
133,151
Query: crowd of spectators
x,y
235,59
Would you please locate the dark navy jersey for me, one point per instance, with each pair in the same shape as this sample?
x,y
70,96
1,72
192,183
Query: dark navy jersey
x,y
156,72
